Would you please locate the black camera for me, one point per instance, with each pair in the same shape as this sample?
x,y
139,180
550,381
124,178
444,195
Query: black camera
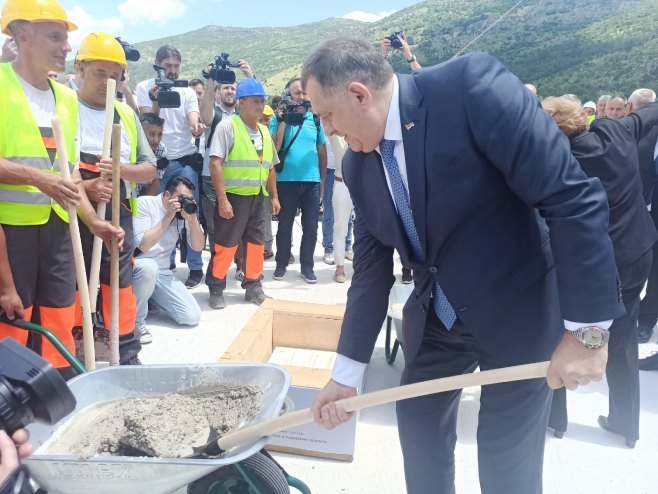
x,y
132,54
166,97
396,43
188,205
220,71
291,114
31,390
162,163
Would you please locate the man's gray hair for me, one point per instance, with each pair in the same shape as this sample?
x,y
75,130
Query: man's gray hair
x,y
605,97
338,61
641,98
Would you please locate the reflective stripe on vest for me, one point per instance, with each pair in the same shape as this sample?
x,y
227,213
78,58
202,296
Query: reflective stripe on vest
x,y
21,142
245,173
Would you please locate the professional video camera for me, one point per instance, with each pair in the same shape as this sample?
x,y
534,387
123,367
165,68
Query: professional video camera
x,y
290,111
31,390
396,43
220,71
132,54
166,97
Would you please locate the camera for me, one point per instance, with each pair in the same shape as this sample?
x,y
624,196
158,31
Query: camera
x,y
291,114
188,205
396,43
132,54
220,71
166,97
31,390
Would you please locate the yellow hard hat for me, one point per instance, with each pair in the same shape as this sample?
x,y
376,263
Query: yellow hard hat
x,y
267,111
33,11
101,46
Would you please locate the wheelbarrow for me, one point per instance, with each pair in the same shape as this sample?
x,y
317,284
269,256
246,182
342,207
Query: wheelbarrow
x,y
244,469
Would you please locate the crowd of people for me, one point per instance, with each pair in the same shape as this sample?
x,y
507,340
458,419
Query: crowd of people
x,y
213,163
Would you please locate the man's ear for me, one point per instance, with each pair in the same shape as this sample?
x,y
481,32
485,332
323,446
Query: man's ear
x,y
360,93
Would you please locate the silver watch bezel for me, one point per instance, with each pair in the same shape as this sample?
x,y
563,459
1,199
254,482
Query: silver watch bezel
x,y
592,337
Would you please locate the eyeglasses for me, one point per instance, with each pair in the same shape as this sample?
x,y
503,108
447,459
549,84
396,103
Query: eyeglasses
x,y
151,118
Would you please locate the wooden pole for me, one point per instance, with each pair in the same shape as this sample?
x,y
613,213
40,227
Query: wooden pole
x,y
78,256
94,272
114,255
305,416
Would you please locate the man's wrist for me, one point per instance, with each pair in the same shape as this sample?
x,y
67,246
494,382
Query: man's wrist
x,y
412,59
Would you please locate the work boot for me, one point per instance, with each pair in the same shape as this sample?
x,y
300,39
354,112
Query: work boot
x,y
217,299
255,295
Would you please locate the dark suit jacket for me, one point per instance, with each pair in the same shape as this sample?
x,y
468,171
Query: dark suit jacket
x,y
645,148
481,156
609,151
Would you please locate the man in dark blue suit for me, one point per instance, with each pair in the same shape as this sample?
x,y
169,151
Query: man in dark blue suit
x,y
469,157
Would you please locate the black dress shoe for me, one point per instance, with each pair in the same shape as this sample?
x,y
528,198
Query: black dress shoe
x,y
650,363
603,422
644,333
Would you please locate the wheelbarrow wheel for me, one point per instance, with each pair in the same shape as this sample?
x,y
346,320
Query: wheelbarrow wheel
x,y
264,477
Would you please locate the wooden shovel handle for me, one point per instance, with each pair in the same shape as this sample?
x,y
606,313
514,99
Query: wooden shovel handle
x,y
301,417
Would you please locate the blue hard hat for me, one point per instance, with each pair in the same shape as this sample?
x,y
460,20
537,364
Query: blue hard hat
x,y
250,87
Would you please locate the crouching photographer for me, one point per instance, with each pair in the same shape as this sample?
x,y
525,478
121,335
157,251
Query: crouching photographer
x,y
182,126
161,222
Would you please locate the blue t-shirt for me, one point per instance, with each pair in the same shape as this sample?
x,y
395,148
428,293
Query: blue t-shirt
x,y
301,163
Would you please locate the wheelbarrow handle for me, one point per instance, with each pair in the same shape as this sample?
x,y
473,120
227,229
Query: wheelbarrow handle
x,y
305,416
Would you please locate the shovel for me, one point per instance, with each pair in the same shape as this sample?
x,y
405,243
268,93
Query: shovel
x,y
218,445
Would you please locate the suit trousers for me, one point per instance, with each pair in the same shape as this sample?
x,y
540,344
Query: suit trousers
x,y
649,307
622,370
511,428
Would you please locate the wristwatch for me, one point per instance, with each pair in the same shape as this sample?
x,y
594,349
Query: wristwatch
x,y
592,337
412,59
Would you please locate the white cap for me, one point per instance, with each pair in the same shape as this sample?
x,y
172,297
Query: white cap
x,y
590,104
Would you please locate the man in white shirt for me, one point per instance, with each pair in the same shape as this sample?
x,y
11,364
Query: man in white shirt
x,y
161,220
182,126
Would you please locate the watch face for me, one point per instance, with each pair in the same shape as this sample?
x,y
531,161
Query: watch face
x,y
593,337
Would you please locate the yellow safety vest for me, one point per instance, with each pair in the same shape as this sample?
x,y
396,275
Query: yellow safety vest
x,y
245,173
21,142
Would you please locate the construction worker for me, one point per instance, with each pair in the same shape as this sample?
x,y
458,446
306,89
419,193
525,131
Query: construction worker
x,y
101,57
33,195
242,157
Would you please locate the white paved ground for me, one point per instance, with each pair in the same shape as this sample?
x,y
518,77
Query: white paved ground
x,y
587,460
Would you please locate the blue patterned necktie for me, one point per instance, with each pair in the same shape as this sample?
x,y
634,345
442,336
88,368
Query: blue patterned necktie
x,y
443,309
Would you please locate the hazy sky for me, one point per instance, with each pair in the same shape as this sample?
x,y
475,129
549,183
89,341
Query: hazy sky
x,y
141,20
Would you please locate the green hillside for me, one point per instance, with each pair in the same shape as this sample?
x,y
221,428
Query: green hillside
x,y
587,47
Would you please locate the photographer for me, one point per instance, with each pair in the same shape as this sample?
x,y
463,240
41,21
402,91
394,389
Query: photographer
x,y
218,103
182,127
387,46
161,220
303,156
153,127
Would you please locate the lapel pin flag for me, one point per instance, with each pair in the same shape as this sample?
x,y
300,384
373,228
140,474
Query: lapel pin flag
x,y
409,126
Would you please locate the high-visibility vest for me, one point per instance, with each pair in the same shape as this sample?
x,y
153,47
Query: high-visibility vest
x,y
127,117
245,173
21,142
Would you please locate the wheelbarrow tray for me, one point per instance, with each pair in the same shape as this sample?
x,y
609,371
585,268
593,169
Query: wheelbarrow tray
x,y
67,474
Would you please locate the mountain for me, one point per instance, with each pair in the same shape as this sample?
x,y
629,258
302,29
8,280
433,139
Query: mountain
x,y
586,47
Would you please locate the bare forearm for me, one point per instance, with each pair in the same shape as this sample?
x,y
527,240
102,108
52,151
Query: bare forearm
x,y
207,107
6,278
322,160
15,174
198,239
131,101
278,135
84,210
140,173
217,176
154,235
271,184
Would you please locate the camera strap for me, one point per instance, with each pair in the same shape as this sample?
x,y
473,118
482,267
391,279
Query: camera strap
x,y
285,151
217,117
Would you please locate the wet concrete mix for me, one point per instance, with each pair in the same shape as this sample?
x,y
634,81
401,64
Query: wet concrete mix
x,y
164,426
